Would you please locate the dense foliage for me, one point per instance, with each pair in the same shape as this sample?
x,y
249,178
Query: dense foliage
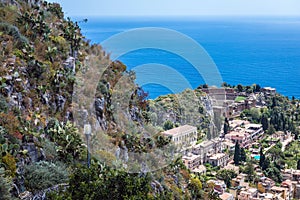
x,y
42,175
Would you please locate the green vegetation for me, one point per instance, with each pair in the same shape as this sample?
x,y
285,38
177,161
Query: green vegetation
x,y
40,146
240,98
5,186
100,182
195,186
167,125
69,145
226,127
237,153
42,175
226,176
41,54
272,162
292,155
240,88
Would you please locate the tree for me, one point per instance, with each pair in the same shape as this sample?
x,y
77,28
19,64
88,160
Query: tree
x,y
262,157
243,156
239,88
273,173
298,164
226,126
249,170
237,152
168,125
225,85
195,186
256,88
265,121
271,130
274,102
249,89
275,152
266,164
255,114
226,176
297,133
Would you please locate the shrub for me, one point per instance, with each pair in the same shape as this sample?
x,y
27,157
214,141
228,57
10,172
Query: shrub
x,y
5,186
9,29
67,137
42,175
50,150
9,122
3,104
107,184
10,164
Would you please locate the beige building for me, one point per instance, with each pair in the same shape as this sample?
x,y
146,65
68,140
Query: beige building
x,y
291,174
208,148
280,192
240,137
248,194
226,196
297,192
191,161
269,91
288,184
265,184
219,159
244,132
255,131
183,137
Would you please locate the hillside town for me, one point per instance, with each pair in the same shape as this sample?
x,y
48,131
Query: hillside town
x,y
219,152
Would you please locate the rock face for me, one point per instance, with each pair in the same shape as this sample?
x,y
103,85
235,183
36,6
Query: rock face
x,y
35,154
99,107
70,64
157,187
134,113
208,105
60,102
46,98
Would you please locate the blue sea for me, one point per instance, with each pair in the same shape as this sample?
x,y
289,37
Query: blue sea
x,y
246,50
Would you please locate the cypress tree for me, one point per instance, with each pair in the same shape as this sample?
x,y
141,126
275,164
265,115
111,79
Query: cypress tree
x,y
237,152
226,126
265,122
262,157
298,165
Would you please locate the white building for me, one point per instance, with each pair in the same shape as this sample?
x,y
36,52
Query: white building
x,y
183,136
219,159
191,161
269,90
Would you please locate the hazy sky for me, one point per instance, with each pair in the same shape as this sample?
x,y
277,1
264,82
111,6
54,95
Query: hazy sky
x,y
179,7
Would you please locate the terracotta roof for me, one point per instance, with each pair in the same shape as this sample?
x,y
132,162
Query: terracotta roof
x,y
225,196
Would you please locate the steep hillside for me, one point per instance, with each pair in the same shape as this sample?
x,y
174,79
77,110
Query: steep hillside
x,y
43,57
